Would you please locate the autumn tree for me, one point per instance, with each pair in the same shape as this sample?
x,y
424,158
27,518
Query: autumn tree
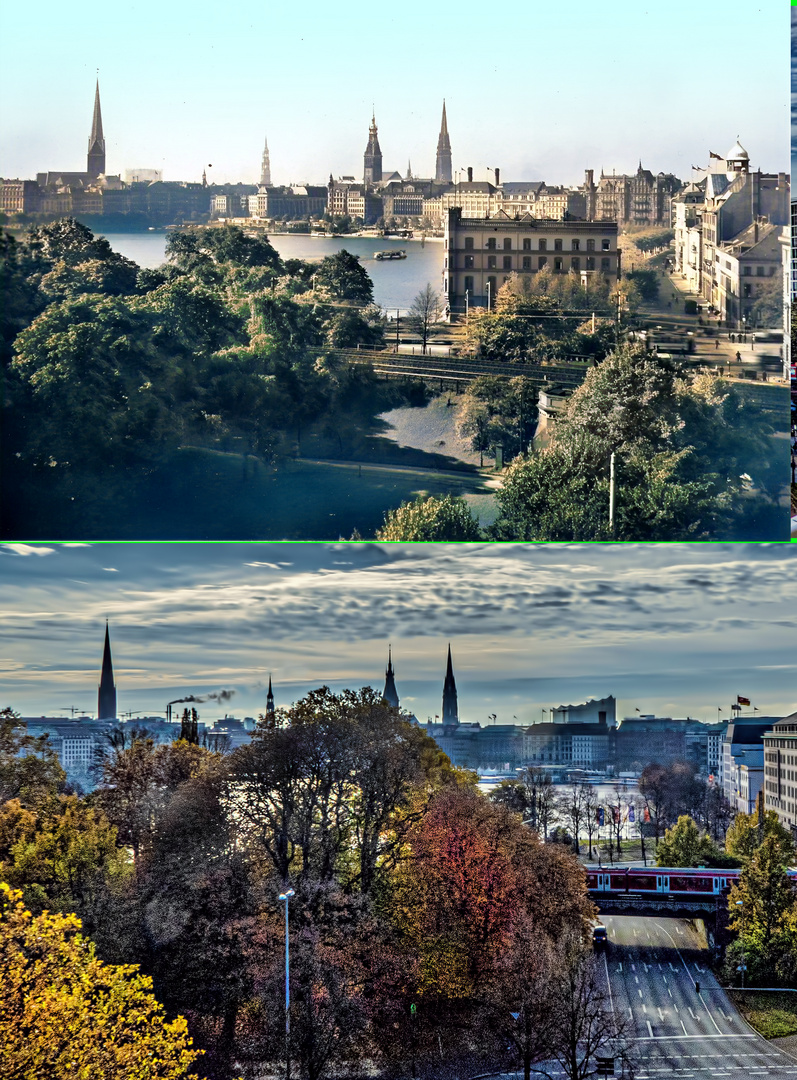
x,y
64,1014
683,844
430,519
29,767
747,831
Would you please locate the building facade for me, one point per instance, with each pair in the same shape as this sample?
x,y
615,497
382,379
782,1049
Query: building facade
x,y
482,253
780,771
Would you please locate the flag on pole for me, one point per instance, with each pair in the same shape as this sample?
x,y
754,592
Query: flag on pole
x,y
601,817
631,812
742,700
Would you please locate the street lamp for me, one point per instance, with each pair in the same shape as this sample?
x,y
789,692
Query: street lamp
x,y
286,897
740,903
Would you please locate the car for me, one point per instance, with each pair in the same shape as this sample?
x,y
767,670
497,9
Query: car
x,y
599,937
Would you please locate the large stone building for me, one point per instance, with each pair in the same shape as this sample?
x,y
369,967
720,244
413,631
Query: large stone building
x,y
640,199
780,771
481,253
291,202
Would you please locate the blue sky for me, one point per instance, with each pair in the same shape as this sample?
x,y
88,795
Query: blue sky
x,y
541,90
671,629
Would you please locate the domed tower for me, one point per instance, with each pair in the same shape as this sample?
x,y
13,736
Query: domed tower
x,y
737,160
390,694
373,156
450,709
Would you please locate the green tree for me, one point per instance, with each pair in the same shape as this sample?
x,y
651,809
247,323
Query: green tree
x,y
744,837
64,1015
763,902
342,277
685,845
29,768
430,519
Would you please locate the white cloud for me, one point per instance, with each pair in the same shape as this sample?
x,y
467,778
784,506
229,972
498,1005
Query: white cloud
x,y
27,549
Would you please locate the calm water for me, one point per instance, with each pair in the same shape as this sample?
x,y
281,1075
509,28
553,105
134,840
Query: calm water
x,y
396,284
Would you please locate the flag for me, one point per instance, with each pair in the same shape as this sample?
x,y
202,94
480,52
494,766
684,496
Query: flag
x,y
616,814
742,700
631,812
646,814
600,816
718,157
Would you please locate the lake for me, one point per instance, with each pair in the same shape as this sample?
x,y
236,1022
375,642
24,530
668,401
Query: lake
x,y
396,283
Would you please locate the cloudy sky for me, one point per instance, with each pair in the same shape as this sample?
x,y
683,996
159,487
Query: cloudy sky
x,y
668,629
541,90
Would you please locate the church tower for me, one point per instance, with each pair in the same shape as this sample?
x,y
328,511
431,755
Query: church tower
x,y
265,167
442,172
373,156
270,701
450,710
106,698
96,159
390,694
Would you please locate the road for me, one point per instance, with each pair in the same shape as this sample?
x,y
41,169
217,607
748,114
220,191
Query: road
x,y
652,965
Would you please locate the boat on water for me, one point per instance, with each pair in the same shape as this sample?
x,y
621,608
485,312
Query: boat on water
x,y
398,253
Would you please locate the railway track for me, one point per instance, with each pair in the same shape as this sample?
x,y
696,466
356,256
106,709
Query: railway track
x,y
432,368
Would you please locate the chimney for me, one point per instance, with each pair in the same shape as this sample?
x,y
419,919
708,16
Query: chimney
x,y
470,175
497,177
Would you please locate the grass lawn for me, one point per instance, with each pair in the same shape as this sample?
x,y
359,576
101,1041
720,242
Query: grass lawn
x,y
773,1015
206,495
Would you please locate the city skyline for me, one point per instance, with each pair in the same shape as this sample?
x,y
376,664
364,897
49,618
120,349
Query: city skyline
x,y
669,630
174,111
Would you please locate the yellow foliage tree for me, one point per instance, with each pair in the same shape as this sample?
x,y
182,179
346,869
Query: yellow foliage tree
x,y
65,1015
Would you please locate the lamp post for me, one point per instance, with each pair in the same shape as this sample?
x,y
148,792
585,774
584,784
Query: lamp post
x,y
286,897
740,903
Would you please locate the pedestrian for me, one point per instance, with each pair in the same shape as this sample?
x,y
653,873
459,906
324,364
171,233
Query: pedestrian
x,y
738,357
752,342
733,339
717,343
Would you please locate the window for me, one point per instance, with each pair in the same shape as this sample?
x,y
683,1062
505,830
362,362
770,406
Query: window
x,y
527,244
491,262
527,262
507,262
590,262
557,265
469,243
557,245
606,264
491,283
541,262
747,270
469,284
747,291
507,244
468,262
543,245
759,271
590,245
490,245
575,264
575,245
606,245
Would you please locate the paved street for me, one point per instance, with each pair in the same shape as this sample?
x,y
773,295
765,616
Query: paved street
x,y
652,965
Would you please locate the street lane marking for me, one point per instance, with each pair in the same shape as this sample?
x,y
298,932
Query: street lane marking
x,y
650,1029
608,982
686,969
639,992
662,1038
645,1009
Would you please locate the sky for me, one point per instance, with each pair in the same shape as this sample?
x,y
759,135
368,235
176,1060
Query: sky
x,y
670,629
542,91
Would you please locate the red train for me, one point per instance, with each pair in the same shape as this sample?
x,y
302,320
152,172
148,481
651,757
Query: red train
x,y
670,881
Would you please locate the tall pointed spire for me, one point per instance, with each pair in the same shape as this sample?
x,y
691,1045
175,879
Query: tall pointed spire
x,y
372,159
269,701
450,709
390,694
442,171
106,697
95,164
265,167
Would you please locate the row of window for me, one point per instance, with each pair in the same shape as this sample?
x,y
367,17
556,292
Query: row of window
x,y
468,280
542,244
542,261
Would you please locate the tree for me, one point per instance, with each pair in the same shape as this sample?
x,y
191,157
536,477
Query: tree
x,y
430,519
763,904
424,313
572,805
541,798
29,767
744,837
685,845
342,277
64,1015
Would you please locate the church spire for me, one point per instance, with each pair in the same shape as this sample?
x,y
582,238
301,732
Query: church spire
x,y
372,159
95,164
265,167
450,710
390,694
270,701
106,697
443,167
